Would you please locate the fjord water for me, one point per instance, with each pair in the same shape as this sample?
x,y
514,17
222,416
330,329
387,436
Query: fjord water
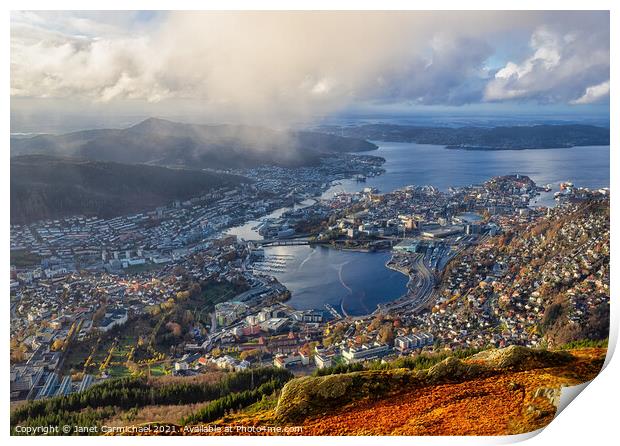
x,y
424,164
352,282
360,281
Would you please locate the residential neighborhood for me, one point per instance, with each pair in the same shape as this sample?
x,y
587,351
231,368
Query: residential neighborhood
x,y
173,292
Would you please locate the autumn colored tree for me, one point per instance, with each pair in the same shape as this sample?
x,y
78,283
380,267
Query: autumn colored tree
x,y
57,344
375,324
183,295
174,328
216,352
386,334
18,351
99,314
250,354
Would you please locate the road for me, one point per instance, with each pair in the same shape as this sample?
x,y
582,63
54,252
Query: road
x,y
420,288
304,239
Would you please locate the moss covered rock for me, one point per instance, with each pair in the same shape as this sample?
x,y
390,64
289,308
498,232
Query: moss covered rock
x,y
453,369
313,396
522,358
310,396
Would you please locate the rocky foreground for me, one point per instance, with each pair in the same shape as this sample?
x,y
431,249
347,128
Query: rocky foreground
x,y
496,392
504,400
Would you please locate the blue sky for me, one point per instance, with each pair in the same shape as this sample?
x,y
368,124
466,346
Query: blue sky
x,y
295,66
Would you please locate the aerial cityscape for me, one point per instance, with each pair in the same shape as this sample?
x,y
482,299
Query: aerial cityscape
x,y
236,256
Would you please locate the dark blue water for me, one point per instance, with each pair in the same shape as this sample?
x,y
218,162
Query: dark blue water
x,y
421,164
353,281
360,280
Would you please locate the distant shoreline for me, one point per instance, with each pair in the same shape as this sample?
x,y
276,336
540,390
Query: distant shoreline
x,y
495,149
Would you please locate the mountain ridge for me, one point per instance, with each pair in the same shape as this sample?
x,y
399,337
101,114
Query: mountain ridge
x,y
542,136
48,187
163,142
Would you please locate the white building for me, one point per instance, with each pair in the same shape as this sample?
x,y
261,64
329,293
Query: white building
x,y
365,353
113,319
419,340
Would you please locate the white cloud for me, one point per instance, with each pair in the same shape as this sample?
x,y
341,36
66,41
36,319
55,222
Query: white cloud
x,y
300,64
593,94
562,64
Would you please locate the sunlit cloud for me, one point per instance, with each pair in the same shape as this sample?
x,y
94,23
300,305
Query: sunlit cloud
x,y
297,64
594,93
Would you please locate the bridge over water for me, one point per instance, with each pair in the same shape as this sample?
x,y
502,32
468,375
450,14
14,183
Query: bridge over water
x,y
305,239
285,242
308,241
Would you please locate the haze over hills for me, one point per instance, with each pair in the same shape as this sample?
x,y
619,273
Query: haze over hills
x,y
51,177
483,138
163,142
44,187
